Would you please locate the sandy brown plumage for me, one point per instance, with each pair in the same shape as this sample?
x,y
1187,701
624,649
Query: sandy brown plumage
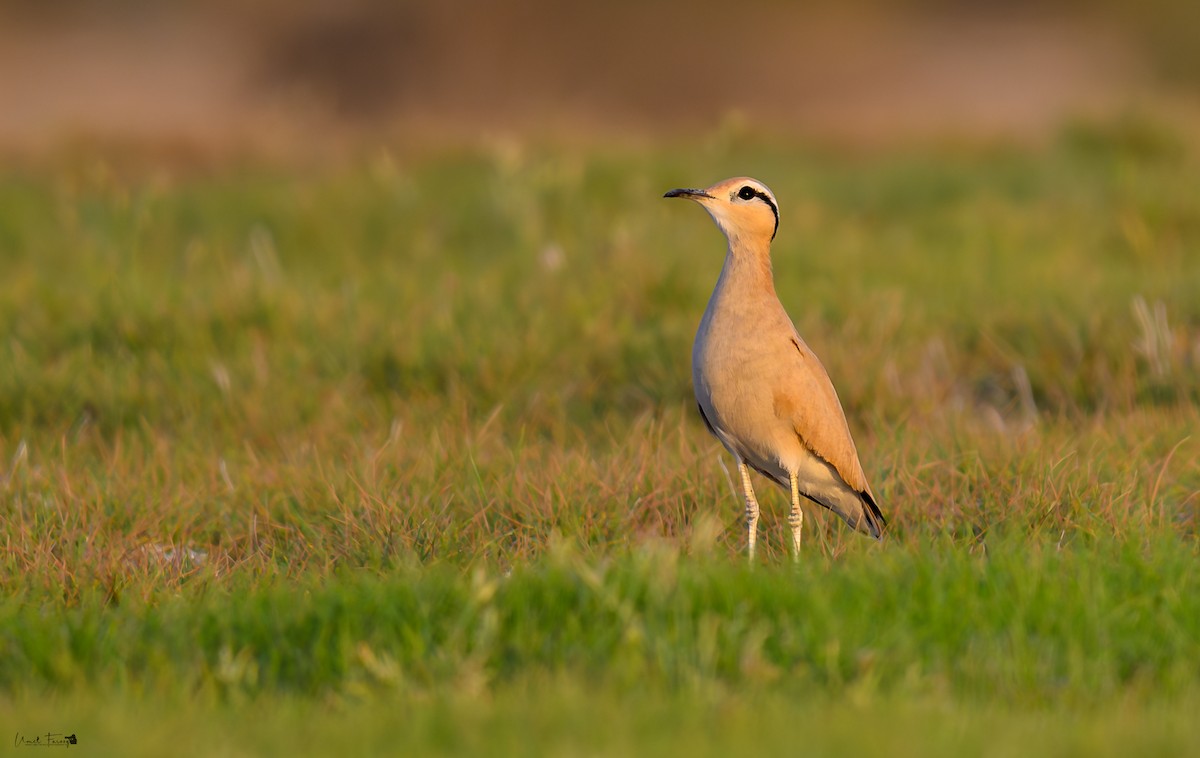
x,y
760,389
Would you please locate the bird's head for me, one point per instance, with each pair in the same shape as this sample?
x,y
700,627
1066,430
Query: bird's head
x,y
742,207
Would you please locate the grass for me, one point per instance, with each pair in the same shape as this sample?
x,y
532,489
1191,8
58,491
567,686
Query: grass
x,y
402,454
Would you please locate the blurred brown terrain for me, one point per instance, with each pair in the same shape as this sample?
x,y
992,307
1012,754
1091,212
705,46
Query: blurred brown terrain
x,y
286,77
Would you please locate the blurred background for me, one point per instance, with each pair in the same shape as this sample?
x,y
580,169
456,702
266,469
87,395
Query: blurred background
x,y
294,77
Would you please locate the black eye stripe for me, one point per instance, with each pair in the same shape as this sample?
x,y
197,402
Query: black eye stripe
x,y
767,199
749,193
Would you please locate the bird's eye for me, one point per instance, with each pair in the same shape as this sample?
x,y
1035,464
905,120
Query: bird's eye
x,y
746,193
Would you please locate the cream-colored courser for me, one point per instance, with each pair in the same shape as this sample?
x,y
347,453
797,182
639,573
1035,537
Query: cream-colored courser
x,y
761,390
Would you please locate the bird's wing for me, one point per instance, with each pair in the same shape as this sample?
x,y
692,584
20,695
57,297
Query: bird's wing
x,y
809,402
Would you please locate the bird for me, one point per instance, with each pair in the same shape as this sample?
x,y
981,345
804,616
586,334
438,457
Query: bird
x,y
760,389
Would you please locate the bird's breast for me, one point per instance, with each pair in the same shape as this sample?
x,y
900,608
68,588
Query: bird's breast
x,y
733,372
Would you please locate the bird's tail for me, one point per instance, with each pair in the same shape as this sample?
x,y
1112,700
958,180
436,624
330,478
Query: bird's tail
x,y
858,509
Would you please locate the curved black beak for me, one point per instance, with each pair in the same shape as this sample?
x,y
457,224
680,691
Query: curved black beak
x,y
688,193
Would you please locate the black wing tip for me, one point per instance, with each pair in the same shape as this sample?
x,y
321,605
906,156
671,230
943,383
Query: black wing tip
x,y
876,523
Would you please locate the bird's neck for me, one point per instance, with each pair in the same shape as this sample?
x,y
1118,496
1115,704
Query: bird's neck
x,y
747,268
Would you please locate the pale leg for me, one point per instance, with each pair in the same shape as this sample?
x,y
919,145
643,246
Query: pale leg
x,y
796,518
751,509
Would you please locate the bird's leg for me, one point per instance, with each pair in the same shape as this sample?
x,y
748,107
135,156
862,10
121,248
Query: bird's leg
x,y
796,517
751,508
